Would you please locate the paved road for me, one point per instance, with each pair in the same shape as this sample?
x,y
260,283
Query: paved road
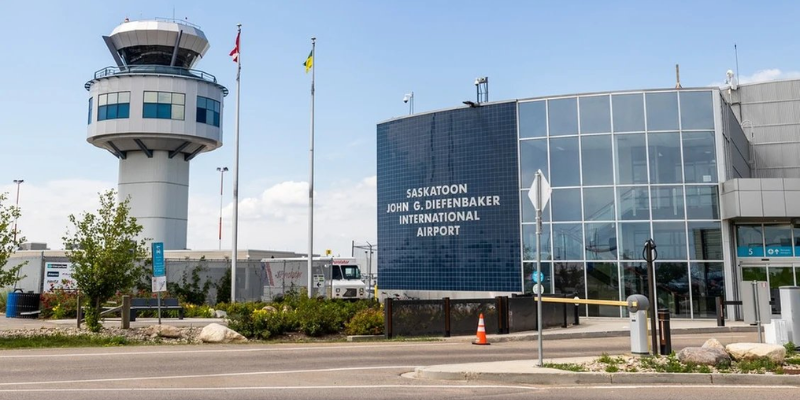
x,y
330,371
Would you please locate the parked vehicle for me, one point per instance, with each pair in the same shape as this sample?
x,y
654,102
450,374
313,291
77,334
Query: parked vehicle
x,y
331,277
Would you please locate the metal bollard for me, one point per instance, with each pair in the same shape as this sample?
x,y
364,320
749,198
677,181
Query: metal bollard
x,y
665,338
126,312
720,311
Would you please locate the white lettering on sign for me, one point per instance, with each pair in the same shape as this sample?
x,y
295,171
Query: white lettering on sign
x,y
437,190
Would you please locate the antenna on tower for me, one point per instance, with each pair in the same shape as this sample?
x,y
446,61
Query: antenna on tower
x,y
678,76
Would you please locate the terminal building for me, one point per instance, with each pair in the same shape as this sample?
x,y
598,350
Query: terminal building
x,y
712,175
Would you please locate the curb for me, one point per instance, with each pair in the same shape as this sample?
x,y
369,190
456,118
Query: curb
x,y
365,338
602,334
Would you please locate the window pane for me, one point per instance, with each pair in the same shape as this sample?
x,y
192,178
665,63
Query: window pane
x,y
90,109
216,119
201,102
201,115
667,202
216,106
602,283
178,98
563,116
697,110
150,110
111,111
601,241
568,278
708,282
672,288
532,119
699,160
164,111
665,157
595,114
596,160
749,242
112,98
598,204
633,203
124,97
565,161
631,159
670,238
662,111
568,241
634,278
702,202
566,204
778,240
123,110
101,113
151,97
632,236
529,242
533,156
705,241
529,268
754,274
102,99
628,112
165,97
528,212
177,112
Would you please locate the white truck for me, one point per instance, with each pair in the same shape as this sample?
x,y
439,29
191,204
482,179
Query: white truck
x,y
332,277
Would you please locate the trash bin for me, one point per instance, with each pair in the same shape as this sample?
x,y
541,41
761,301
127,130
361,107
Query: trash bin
x,y
22,305
11,303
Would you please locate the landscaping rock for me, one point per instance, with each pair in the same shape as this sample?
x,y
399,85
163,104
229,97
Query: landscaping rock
x,y
754,351
167,331
270,309
220,314
704,356
216,333
713,344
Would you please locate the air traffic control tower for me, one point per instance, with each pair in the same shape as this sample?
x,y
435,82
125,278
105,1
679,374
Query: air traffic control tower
x,y
155,113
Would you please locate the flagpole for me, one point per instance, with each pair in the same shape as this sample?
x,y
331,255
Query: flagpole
x,y
235,229
311,179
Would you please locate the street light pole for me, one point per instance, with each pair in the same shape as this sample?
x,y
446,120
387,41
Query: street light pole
x,y
18,182
221,170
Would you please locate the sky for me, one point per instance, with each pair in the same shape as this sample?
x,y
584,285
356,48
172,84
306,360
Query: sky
x,y
369,55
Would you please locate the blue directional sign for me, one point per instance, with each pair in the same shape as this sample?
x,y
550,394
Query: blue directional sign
x,y
537,279
158,259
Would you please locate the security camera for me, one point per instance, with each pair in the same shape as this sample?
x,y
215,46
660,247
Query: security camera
x,y
407,97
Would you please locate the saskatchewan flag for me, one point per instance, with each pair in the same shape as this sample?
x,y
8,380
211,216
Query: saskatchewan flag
x,y
309,61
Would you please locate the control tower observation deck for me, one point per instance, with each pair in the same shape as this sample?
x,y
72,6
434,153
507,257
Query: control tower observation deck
x,y
155,113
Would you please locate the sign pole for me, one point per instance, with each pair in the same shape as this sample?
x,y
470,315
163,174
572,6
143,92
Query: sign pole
x,y
539,263
159,273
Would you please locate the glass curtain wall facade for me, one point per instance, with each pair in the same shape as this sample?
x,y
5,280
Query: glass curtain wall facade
x,y
625,167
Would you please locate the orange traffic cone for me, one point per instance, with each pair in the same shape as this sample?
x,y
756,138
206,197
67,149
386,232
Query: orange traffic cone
x,y
481,332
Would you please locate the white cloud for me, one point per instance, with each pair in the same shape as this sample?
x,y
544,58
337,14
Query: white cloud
x,y
764,75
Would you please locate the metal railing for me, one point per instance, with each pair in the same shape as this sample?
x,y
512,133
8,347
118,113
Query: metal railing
x,y
154,70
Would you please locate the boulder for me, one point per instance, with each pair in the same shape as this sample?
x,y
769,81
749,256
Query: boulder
x,y
287,308
216,333
713,344
270,309
167,331
220,314
704,356
754,351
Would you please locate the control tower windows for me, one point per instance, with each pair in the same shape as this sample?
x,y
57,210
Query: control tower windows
x,y
207,111
91,103
164,105
113,106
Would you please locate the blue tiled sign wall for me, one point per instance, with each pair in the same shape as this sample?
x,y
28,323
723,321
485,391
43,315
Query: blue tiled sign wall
x,y
448,201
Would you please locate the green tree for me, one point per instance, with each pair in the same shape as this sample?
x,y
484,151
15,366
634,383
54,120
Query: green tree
x,y
105,253
8,243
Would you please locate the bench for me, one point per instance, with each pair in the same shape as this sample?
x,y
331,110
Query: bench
x,y
144,304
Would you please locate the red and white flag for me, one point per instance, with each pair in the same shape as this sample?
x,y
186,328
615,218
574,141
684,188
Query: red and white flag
x,y
235,51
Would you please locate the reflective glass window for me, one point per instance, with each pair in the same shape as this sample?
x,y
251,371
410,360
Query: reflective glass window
x,y
113,106
150,110
151,97
797,239
601,241
634,278
112,98
529,242
699,160
596,160
631,159
662,111
91,100
178,98
708,282
165,97
595,114
532,119
563,115
697,110
111,111
201,115
163,111
702,202
102,99
528,212
665,157
602,283
164,105
533,157
672,287
565,161
632,236
667,202
670,238
628,112
633,203
598,204
124,97
102,113
566,204
778,240
567,241
529,268
123,110
754,274
705,241
568,278
749,241
177,111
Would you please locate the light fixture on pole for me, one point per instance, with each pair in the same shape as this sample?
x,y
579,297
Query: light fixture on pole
x,y
16,205
409,98
221,170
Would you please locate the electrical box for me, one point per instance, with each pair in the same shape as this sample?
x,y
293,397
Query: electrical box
x,y
755,299
790,311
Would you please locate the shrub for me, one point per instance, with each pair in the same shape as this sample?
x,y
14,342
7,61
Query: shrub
x,y
189,289
59,304
195,311
366,322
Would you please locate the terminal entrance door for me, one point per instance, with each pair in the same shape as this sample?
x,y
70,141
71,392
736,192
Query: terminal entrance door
x,y
777,274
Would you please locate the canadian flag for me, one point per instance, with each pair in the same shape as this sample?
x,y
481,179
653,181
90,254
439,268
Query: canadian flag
x,y
235,51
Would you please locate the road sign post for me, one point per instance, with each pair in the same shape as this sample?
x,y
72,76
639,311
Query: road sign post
x,y
539,195
159,273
